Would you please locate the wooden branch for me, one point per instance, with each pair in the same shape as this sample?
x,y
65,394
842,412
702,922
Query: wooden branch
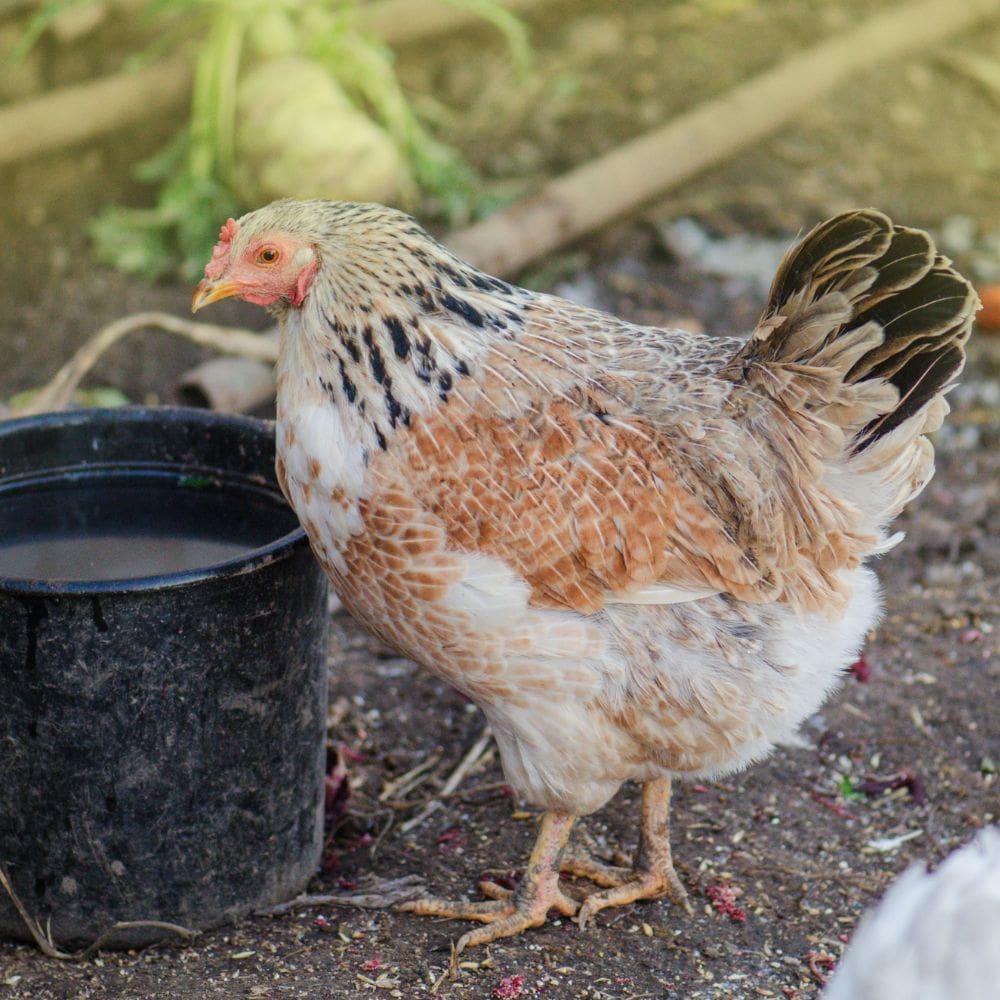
x,y
88,110
590,196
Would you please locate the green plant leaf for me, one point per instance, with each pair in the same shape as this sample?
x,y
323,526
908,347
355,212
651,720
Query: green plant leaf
x,y
849,791
39,23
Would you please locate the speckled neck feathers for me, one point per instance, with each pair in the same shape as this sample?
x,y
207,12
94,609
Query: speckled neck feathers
x,y
394,321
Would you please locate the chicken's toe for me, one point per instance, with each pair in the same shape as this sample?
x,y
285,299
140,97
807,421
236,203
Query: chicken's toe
x,y
520,915
457,909
527,906
599,872
510,914
651,883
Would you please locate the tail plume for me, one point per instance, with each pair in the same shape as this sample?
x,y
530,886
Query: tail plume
x,y
877,305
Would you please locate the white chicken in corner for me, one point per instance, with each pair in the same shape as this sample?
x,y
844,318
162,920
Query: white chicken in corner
x,y
934,936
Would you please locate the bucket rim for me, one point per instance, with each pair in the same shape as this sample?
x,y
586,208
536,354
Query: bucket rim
x,y
248,562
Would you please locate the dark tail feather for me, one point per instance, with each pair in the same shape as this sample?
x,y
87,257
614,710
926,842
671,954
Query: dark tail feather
x,y
905,311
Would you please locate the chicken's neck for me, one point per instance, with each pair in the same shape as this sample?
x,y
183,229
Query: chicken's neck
x,y
386,355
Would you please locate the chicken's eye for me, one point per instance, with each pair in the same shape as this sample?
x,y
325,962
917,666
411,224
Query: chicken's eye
x,y
268,255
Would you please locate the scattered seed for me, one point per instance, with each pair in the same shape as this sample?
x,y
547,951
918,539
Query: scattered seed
x,y
885,845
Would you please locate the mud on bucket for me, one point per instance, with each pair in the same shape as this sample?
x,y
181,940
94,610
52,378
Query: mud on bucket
x,y
163,634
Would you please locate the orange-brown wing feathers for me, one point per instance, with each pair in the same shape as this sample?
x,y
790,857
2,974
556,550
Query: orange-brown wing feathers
x,y
597,511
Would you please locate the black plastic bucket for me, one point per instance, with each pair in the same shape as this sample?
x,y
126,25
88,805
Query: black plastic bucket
x,y
162,706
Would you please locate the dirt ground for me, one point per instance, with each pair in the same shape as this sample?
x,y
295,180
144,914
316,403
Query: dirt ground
x,y
902,766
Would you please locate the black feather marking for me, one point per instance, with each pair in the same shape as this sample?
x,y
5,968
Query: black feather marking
x,y
352,347
487,283
332,322
376,363
424,368
350,389
379,437
461,367
462,308
400,342
397,412
327,386
455,275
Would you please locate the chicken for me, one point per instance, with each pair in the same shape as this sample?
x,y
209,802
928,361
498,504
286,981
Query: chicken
x,y
932,937
640,551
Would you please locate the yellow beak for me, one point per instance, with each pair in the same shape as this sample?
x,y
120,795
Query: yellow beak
x,y
209,291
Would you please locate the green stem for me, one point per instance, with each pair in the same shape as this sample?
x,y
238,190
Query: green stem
x,y
230,47
213,103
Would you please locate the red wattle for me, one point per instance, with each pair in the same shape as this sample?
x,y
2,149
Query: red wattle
x,y
303,283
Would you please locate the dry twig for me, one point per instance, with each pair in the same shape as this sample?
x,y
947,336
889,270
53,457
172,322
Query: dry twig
x,y
411,779
47,946
57,393
476,755
459,793
375,894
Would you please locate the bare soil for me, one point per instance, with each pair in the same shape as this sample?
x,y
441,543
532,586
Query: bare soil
x,y
800,842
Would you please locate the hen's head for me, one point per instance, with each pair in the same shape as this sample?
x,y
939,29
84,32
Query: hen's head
x,y
271,256
266,258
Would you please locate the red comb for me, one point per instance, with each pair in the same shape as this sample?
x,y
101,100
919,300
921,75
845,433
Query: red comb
x,y
220,255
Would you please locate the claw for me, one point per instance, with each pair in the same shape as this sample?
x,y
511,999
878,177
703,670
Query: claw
x,y
509,912
653,875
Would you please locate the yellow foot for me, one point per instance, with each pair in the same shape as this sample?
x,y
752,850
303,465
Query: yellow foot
x,y
600,872
622,884
504,916
651,876
512,912
630,885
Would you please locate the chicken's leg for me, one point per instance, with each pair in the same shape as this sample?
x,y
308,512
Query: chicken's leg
x,y
651,875
538,892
